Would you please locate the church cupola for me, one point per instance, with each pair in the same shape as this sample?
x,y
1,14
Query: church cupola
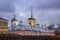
x,y
14,21
31,20
14,18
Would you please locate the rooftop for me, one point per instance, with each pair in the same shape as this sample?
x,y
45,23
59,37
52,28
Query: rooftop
x,y
31,19
3,19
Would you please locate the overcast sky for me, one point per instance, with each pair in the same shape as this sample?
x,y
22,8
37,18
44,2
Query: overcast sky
x,y
45,11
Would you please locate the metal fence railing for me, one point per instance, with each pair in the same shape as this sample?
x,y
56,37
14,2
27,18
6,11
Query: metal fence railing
x,y
19,37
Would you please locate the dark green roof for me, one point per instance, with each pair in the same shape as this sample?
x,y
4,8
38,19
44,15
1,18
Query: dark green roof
x,y
31,19
3,19
13,19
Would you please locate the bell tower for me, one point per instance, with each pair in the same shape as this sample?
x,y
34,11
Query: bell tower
x,y
14,21
31,20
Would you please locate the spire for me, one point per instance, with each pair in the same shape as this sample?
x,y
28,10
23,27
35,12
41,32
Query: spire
x,y
14,16
14,19
31,12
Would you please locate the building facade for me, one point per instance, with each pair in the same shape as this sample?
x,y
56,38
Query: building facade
x,y
3,25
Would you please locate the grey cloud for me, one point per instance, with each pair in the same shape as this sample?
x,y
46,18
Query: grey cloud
x,y
49,4
39,4
6,6
23,6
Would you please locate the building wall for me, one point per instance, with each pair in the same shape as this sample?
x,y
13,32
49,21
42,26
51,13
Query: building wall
x,y
30,33
14,23
3,26
31,22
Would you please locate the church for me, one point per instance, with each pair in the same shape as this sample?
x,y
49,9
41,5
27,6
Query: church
x,y
31,29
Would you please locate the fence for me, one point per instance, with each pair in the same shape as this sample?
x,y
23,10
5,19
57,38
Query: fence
x,y
19,37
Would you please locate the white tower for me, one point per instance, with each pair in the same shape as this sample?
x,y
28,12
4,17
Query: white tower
x,y
14,21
